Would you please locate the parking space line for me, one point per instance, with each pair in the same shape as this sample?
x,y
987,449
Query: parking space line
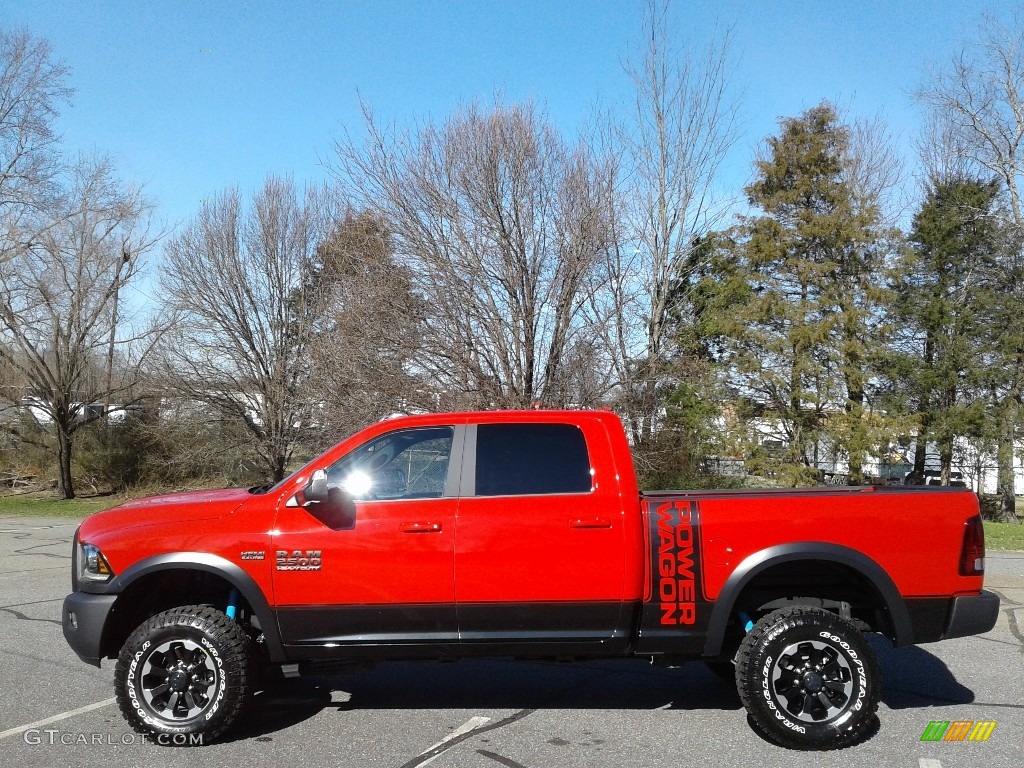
x,y
56,718
470,725
927,762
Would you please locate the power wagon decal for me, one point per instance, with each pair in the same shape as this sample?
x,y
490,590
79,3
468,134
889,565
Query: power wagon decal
x,y
677,583
674,604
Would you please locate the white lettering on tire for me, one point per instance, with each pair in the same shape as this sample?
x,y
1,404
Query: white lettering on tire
x,y
766,692
861,671
222,682
143,713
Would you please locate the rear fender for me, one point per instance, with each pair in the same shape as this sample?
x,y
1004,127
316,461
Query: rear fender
x,y
760,562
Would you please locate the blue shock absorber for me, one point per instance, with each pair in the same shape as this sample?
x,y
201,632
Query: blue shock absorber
x,y
232,608
747,623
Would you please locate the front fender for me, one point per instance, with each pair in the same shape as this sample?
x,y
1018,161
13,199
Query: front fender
x,y
213,564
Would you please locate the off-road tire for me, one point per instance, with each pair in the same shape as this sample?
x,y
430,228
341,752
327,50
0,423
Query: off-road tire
x,y
183,674
808,678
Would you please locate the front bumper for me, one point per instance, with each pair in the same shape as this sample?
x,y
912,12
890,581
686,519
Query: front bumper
x,y
971,615
83,618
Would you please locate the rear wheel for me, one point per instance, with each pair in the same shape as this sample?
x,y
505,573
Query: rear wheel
x,y
184,673
808,678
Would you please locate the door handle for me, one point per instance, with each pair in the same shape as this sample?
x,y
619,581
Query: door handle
x,y
590,522
420,527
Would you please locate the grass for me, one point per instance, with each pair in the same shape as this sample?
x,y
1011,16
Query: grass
x,y
45,505
1006,536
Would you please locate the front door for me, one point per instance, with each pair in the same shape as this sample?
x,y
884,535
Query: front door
x,y
375,563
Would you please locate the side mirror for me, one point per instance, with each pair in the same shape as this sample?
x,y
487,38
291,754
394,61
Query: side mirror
x,y
316,489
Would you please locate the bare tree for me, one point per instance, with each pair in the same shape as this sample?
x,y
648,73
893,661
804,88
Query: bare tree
x,y
32,87
939,151
61,291
681,126
243,326
978,101
976,106
874,170
501,225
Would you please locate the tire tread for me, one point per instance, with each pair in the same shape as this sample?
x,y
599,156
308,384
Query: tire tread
x,y
749,683
233,644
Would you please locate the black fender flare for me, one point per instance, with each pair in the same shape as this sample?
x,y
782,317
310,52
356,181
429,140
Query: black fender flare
x,y
214,564
758,562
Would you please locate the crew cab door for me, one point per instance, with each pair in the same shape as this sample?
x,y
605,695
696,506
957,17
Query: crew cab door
x,y
374,563
539,552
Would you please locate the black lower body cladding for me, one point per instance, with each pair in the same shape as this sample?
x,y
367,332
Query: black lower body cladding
x,y
83,618
972,615
934,619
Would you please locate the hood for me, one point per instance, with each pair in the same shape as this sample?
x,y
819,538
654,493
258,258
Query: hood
x,y
172,507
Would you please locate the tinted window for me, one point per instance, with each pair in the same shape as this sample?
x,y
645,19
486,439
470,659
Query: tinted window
x,y
518,459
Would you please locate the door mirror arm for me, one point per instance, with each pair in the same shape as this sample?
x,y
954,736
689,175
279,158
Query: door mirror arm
x,y
315,491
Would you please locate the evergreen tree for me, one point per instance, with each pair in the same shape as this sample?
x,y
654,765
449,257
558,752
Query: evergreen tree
x,y
1005,367
795,301
941,307
976,103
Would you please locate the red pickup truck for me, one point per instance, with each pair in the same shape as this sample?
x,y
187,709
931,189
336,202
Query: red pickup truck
x,y
519,534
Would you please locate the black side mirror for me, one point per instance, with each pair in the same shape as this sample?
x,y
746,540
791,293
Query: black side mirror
x,y
316,488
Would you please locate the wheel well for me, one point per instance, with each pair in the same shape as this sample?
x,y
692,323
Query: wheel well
x,y
822,583
166,589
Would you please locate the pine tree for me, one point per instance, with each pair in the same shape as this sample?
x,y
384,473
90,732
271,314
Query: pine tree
x,y
795,301
943,308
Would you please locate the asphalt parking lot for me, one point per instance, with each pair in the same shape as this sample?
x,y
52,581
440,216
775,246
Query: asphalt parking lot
x,y
55,710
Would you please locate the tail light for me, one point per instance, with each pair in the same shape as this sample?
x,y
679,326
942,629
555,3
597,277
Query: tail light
x,y
972,554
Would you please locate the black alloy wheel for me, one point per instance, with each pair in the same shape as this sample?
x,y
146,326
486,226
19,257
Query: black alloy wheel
x,y
808,678
183,674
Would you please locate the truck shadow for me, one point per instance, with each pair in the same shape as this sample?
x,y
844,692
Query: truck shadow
x,y
488,684
912,678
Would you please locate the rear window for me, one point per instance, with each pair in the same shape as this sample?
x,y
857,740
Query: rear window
x,y
528,459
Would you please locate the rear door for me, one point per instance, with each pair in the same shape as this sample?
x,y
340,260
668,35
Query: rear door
x,y
539,550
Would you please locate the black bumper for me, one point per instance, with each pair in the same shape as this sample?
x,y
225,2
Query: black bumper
x,y
971,615
84,617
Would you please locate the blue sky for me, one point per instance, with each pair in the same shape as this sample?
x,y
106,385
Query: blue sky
x,y
193,97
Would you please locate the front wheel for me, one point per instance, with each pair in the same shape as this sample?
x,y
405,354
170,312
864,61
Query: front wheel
x,y
808,678
184,675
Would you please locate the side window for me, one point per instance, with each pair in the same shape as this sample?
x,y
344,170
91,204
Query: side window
x,y
408,464
527,459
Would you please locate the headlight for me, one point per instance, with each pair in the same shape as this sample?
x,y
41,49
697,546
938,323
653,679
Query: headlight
x,y
92,566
